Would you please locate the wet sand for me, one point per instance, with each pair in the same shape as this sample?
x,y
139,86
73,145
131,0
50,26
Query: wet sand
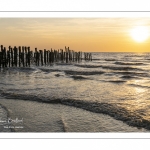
x,y
42,117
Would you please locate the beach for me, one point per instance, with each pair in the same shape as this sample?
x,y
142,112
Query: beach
x,y
40,117
108,94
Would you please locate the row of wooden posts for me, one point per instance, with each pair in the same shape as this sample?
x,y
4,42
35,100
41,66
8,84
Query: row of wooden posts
x,y
24,57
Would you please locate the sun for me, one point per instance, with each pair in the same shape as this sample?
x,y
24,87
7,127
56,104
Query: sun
x,y
140,33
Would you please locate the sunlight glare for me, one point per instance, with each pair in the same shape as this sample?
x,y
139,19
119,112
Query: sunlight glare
x,y
140,33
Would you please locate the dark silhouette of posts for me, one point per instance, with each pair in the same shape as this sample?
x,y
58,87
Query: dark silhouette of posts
x,y
8,56
50,57
5,57
62,55
0,59
29,56
12,56
19,56
45,56
1,56
41,54
23,56
36,57
15,55
26,56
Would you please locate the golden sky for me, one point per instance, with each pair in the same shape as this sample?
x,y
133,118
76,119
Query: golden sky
x,y
80,34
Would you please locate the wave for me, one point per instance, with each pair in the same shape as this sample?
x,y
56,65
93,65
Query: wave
x,y
110,59
58,75
64,64
109,67
121,68
49,70
96,59
116,81
128,77
5,84
78,77
88,66
132,74
20,90
128,63
83,72
70,72
32,69
141,86
113,81
134,55
117,112
23,69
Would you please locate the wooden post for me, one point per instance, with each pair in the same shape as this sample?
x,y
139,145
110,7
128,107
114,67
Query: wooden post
x,y
38,58
22,56
53,56
19,56
26,56
73,55
50,57
15,55
45,56
62,56
29,56
5,57
41,53
69,55
1,56
81,56
8,55
57,55
35,56
91,56
0,59
12,57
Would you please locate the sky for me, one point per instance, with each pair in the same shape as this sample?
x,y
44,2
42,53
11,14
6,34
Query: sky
x,y
79,34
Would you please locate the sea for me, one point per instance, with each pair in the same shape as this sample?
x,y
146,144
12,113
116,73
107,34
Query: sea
x,y
111,93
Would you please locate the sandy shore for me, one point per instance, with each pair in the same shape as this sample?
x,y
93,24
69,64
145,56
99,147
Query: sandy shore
x,y
42,117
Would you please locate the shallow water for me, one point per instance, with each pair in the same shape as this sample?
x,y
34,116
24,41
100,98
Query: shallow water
x,y
114,84
41,117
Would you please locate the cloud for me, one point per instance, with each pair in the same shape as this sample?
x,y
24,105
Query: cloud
x,y
66,26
